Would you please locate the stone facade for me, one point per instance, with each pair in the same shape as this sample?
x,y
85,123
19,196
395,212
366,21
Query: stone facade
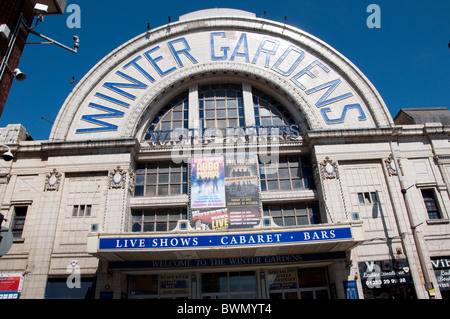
x,y
79,188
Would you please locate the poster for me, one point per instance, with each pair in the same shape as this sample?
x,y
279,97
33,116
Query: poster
x,y
10,285
441,266
282,279
378,274
171,284
225,192
207,182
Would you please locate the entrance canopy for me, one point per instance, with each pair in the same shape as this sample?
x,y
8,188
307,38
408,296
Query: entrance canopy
x,y
112,99
186,248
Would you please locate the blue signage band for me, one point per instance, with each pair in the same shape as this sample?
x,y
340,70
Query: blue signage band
x,y
224,240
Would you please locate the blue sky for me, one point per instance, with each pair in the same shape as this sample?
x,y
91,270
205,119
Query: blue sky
x,y
407,59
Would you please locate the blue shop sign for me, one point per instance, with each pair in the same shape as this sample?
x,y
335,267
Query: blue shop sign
x,y
225,240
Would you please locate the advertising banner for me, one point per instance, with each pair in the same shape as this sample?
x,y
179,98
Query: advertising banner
x,y
441,266
207,182
282,279
225,192
171,284
378,274
10,285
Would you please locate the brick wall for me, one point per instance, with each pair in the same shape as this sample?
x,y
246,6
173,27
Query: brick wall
x,y
9,14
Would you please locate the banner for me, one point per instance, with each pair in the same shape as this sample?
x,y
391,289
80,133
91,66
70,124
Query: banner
x,y
225,192
10,285
207,182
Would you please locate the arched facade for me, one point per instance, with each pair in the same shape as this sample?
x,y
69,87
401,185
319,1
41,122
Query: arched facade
x,y
225,148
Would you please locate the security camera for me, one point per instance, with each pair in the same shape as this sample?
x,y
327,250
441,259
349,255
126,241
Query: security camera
x,y
7,156
40,8
76,41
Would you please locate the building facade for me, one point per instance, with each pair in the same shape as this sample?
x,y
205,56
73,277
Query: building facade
x,y
227,156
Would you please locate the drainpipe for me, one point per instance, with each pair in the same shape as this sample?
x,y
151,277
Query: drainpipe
x,y
428,284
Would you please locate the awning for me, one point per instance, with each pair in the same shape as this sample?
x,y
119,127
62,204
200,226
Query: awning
x,y
191,245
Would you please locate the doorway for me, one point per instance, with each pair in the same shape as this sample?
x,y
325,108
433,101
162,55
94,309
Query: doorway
x,y
301,283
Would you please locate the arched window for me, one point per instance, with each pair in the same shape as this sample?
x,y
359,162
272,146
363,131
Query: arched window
x,y
221,106
173,116
268,111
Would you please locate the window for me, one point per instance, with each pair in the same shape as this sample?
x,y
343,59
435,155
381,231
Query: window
x,y
156,220
431,204
234,285
57,288
20,213
173,116
81,210
368,198
293,214
161,179
292,173
268,111
221,106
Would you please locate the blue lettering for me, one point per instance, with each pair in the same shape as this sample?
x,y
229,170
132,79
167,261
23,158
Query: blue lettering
x,y
308,72
111,99
185,51
154,60
223,49
267,51
325,110
158,135
294,132
93,118
139,68
333,85
115,86
242,40
276,68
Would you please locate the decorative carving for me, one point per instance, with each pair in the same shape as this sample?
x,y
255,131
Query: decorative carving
x,y
328,168
52,180
117,178
132,181
391,167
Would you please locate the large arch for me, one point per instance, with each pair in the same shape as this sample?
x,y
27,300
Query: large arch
x,y
112,100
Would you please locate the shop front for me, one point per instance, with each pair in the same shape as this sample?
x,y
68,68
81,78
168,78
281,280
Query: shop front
x,y
278,283
441,266
387,279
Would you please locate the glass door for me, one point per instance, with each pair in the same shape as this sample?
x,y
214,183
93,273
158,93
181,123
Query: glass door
x,y
229,285
301,283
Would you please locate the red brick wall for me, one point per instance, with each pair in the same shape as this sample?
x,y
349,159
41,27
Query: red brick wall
x,y
9,14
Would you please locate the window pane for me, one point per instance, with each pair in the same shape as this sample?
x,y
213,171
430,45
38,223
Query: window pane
x,y
161,226
283,173
285,185
163,190
273,185
148,227
289,221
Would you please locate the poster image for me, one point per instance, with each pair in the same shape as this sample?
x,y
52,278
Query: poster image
x,y
207,182
210,219
244,217
225,192
241,181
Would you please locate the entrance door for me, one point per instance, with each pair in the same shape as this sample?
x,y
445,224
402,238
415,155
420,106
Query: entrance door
x,y
302,283
229,285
